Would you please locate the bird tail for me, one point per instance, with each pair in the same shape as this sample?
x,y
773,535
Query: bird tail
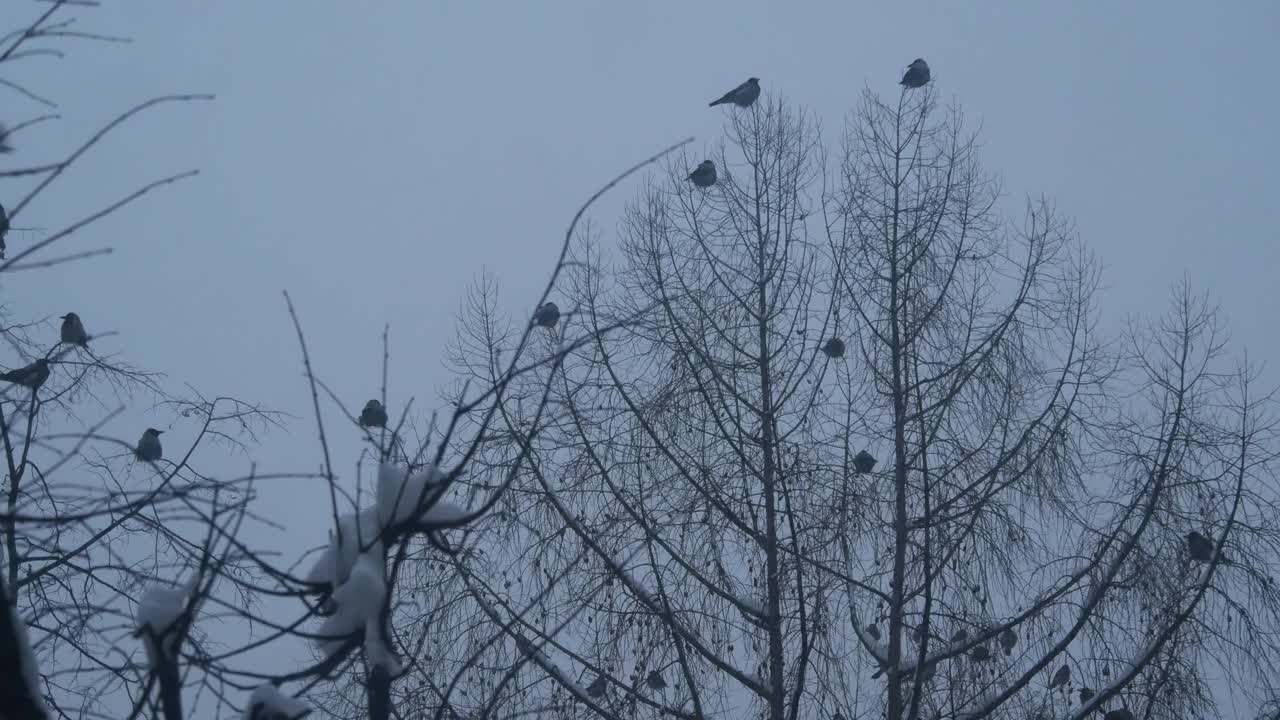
x,y
714,103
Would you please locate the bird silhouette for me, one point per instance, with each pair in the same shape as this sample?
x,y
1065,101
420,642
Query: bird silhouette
x,y
1121,714
1060,678
73,331
833,348
863,462
981,653
1201,548
704,176
874,631
743,96
917,74
149,449
655,681
1086,694
547,315
31,376
1008,638
373,415
596,688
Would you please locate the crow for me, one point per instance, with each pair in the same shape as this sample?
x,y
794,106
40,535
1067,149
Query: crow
x,y
743,96
31,376
149,449
704,176
917,74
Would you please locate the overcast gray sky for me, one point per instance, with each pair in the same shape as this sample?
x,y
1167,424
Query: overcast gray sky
x,y
374,158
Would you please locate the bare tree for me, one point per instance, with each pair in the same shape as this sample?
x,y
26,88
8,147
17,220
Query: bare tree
x,y
703,540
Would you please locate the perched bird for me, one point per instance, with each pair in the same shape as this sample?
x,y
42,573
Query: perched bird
x,y
863,462
917,74
981,653
149,449
5,147
655,681
1060,678
73,331
1008,638
1121,714
833,348
373,415
1086,694
960,636
743,96
596,688
704,176
32,376
1201,548
547,315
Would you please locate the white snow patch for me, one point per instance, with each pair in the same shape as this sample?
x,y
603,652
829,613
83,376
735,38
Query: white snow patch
x,y
30,671
444,513
401,494
357,600
334,564
159,608
270,701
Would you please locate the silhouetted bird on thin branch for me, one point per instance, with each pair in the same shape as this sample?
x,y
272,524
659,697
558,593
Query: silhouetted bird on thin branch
x,y
1201,548
547,315
704,176
373,414
743,96
31,376
148,449
917,74
833,348
73,331
863,462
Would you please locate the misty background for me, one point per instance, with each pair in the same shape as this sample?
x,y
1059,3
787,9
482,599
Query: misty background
x,y
375,159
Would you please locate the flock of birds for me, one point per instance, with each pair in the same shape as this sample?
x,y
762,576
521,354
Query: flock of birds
x,y
35,375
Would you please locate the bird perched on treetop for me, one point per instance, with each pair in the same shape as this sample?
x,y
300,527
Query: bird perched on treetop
x,y
547,315
149,449
32,376
704,176
917,74
833,348
743,96
73,331
655,681
1201,548
373,414
1060,678
863,462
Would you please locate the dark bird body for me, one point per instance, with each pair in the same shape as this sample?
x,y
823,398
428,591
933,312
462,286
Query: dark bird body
x,y
1201,548
863,462
1008,638
1060,678
31,376
373,414
833,348
743,96
704,176
917,74
547,315
1086,694
73,331
655,681
980,653
149,449
596,688
1121,714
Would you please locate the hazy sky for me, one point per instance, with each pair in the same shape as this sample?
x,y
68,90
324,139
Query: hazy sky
x,y
374,158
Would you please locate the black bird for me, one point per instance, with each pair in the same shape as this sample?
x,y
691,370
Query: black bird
x,y
5,147
32,376
596,688
1201,548
917,74
743,96
960,636
980,653
547,315
373,415
1060,678
149,449
833,348
704,176
655,681
1086,694
1121,714
73,331
1008,638
863,462
4,228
